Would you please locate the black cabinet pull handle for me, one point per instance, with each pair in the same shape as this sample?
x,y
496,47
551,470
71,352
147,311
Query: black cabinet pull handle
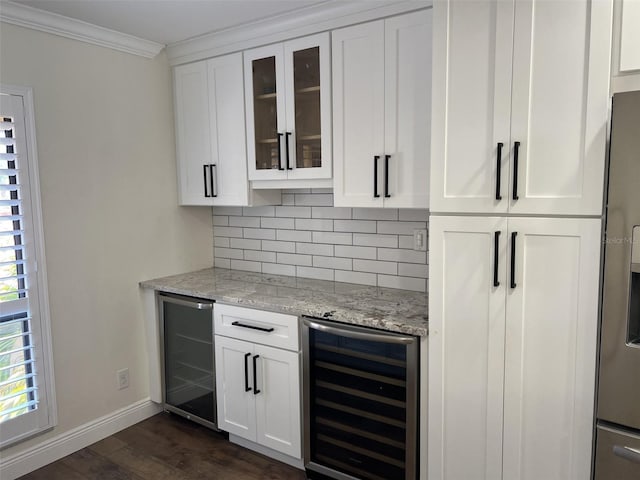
x,y
499,170
286,146
280,151
513,259
375,176
253,327
213,181
516,151
386,176
255,374
204,175
247,388
496,248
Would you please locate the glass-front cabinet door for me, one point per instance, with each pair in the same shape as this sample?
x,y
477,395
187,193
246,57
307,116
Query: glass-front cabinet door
x,y
288,110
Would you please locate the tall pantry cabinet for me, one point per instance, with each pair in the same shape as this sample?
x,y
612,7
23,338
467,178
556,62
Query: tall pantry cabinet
x,y
520,106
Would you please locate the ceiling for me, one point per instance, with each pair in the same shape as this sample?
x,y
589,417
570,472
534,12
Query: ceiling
x,y
169,21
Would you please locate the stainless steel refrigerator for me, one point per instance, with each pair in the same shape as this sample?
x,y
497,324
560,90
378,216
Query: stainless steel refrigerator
x,y
618,413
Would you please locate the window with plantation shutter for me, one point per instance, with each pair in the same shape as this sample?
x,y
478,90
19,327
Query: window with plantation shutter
x,y
26,380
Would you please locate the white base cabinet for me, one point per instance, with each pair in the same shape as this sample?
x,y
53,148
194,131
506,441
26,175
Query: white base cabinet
x,y
258,386
513,312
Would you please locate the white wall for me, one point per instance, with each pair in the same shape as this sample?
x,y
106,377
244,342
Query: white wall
x,y
104,125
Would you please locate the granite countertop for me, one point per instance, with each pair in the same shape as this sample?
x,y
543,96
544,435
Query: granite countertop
x,y
384,308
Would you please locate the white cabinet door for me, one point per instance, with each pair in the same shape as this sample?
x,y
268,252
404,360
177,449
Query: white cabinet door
x,y
193,132
561,68
227,127
466,346
358,114
407,110
265,111
234,375
550,357
472,50
307,64
278,402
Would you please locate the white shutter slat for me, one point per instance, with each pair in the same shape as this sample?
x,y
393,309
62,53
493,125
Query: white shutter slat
x,y
9,172
4,125
9,141
17,394
22,406
21,378
17,365
10,157
12,262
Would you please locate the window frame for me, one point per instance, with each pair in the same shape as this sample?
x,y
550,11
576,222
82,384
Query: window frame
x,y
46,416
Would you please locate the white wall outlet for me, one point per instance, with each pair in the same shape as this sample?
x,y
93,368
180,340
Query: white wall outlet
x,y
420,240
123,378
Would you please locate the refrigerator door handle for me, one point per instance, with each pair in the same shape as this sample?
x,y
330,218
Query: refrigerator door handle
x,y
627,453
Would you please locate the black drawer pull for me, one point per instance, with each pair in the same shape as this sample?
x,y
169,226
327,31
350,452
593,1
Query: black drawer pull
x,y
255,375
213,181
280,151
513,259
516,152
253,327
375,176
498,170
286,146
247,388
386,176
496,248
204,175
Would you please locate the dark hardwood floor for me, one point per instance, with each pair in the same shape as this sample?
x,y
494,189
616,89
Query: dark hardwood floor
x,y
165,447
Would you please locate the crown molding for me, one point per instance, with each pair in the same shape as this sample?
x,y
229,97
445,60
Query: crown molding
x,y
325,16
55,24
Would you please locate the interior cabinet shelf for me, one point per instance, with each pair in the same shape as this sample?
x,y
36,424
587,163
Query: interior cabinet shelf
x,y
267,140
314,88
309,138
266,96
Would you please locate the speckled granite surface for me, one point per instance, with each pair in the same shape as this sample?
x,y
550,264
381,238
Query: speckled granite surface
x,y
385,308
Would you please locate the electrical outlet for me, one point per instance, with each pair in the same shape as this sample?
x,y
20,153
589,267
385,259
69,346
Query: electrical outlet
x,y
122,377
420,240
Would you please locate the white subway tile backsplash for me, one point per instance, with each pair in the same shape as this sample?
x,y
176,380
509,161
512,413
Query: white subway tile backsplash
x,y
390,241
267,211
293,235
227,210
297,212
253,222
277,269
404,283
337,238
374,266
246,265
294,259
260,233
356,277
220,220
314,200
375,214
221,242
399,255
307,237
227,232
360,226
277,246
315,249
335,263
400,228
370,253
275,222
413,270
413,215
314,224
228,253
221,262
245,243
331,212
312,272
260,256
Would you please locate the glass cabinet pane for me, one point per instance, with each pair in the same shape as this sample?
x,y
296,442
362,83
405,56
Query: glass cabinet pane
x,y
306,79
265,113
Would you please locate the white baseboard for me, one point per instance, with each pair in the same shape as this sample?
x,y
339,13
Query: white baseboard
x,y
73,440
281,457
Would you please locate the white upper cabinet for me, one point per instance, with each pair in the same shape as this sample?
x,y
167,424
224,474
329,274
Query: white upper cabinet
x,y
381,107
520,102
513,322
288,106
210,132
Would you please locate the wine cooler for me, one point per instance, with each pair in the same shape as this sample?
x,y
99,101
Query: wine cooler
x,y
360,402
188,380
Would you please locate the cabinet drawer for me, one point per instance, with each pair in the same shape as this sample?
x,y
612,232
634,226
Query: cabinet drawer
x,y
257,326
